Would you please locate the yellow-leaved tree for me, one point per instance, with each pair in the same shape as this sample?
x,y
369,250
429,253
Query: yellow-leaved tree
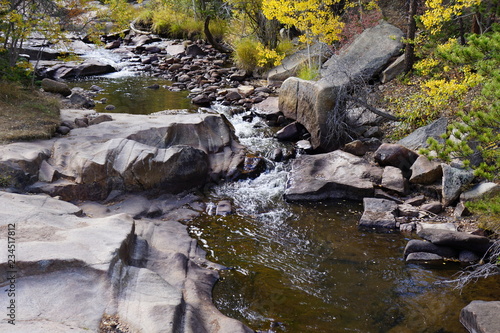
x,y
315,18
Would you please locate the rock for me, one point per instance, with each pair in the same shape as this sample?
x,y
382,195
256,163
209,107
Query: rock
x,y
460,210
72,70
393,180
224,208
100,119
378,214
480,191
202,100
469,257
433,207
233,96
113,45
455,239
408,210
454,180
394,69
277,155
356,147
358,117
395,155
433,226
245,91
238,76
424,257
416,200
303,146
481,316
110,107
424,171
151,275
291,132
81,122
55,87
418,139
335,175
155,86
317,54
63,130
381,194
417,245
195,50
79,100
169,153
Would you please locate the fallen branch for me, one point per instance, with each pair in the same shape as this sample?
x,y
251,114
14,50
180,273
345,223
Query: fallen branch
x,y
374,110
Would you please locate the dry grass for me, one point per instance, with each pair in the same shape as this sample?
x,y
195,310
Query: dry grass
x,y
26,114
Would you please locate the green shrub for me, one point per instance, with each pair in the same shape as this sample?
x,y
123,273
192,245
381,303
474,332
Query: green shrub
x,y
307,72
246,53
488,210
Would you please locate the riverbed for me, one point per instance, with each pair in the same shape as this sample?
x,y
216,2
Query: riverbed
x,y
305,267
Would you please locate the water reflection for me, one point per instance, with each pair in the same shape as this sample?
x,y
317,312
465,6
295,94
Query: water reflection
x,y
130,94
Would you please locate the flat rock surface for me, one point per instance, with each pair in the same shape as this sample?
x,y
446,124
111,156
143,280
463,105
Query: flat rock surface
x,y
481,317
335,175
71,270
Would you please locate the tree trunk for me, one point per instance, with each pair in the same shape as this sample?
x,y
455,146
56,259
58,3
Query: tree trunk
x,y
410,36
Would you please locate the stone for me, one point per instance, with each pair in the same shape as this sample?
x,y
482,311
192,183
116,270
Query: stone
x,y
113,45
424,257
408,210
233,96
356,147
424,171
317,53
434,207
63,130
480,191
469,257
201,100
454,180
290,132
195,50
97,119
381,194
80,100
417,245
245,90
456,239
389,154
416,200
481,316
358,117
335,175
418,139
224,208
394,69
378,214
71,70
310,102
461,211
238,76
277,155
393,180
55,87
110,107
303,146
433,226
81,122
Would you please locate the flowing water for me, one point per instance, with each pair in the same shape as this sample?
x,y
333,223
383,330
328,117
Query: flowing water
x,y
307,267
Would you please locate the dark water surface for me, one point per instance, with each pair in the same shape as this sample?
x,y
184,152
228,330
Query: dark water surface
x,y
129,94
305,267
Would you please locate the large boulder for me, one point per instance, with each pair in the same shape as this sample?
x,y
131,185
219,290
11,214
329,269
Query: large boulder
x,y
71,70
55,87
456,240
453,182
335,175
424,171
481,316
170,153
316,54
150,276
310,103
418,139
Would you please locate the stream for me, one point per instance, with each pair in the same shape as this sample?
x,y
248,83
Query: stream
x,y
304,267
